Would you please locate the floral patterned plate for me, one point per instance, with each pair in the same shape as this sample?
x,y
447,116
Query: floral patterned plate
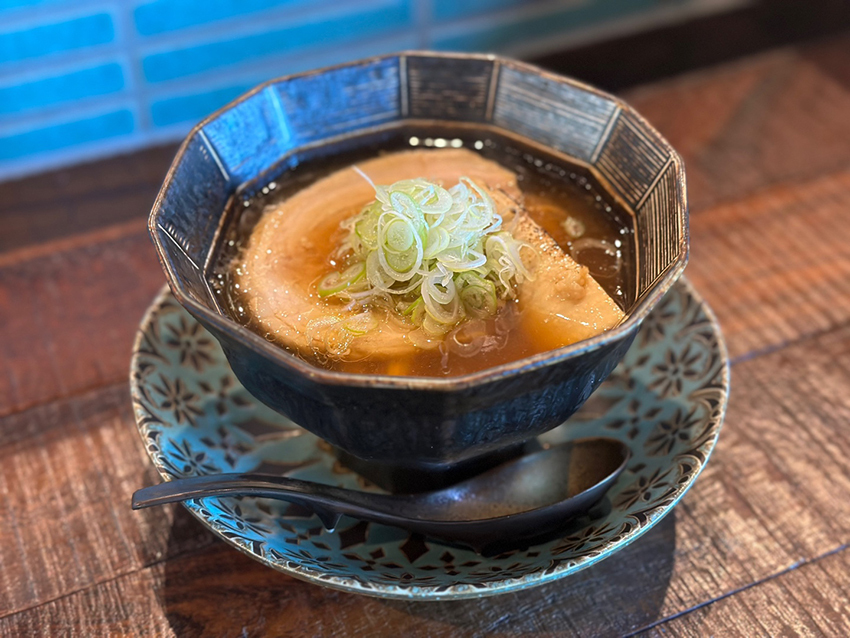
x,y
666,400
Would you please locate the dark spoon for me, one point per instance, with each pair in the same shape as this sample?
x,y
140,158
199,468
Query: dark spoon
x,y
523,498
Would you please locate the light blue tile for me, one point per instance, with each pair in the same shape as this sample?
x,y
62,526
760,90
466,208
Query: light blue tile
x,y
56,136
334,31
68,87
162,16
47,39
194,107
18,4
497,38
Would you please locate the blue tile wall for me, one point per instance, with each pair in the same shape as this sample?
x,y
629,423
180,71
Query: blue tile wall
x,y
58,136
319,32
50,39
6,5
162,16
84,78
17,96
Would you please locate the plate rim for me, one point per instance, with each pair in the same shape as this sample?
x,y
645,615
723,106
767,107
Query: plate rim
x,y
457,591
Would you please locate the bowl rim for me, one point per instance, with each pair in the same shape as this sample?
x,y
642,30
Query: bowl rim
x,y
302,368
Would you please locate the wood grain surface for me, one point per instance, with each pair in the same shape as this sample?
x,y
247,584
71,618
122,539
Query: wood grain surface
x,y
757,547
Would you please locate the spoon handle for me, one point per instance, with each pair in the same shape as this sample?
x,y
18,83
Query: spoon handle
x,y
329,503
214,485
324,500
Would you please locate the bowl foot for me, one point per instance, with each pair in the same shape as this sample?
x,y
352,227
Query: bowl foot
x,y
401,478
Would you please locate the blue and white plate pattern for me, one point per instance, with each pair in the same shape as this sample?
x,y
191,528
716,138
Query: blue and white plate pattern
x,y
666,400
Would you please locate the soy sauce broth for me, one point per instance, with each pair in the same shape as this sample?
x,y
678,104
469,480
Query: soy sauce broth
x,y
562,198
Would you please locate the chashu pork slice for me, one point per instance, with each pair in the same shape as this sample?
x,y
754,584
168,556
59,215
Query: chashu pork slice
x,y
564,303
288,251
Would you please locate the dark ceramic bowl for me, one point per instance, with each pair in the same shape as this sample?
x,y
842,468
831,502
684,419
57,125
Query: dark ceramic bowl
x,y
412,421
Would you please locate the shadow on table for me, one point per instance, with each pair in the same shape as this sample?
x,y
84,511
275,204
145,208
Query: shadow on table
x,y
616,596
213,590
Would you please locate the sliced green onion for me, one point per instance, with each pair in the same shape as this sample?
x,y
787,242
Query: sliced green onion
x,y
404,204
399,235
437,202
366,227
436,256
411,308
477,295
403,261
360,324
337,282
437,241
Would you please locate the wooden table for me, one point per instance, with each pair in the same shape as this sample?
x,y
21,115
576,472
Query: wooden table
x,y
758,547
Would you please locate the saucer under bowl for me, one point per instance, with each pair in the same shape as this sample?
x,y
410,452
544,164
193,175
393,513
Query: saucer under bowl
x,y
666,400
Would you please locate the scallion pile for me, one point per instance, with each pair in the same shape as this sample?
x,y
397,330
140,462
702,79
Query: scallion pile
x,y
435,256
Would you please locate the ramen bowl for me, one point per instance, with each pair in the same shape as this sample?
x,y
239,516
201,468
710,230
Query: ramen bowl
x,y
418,422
